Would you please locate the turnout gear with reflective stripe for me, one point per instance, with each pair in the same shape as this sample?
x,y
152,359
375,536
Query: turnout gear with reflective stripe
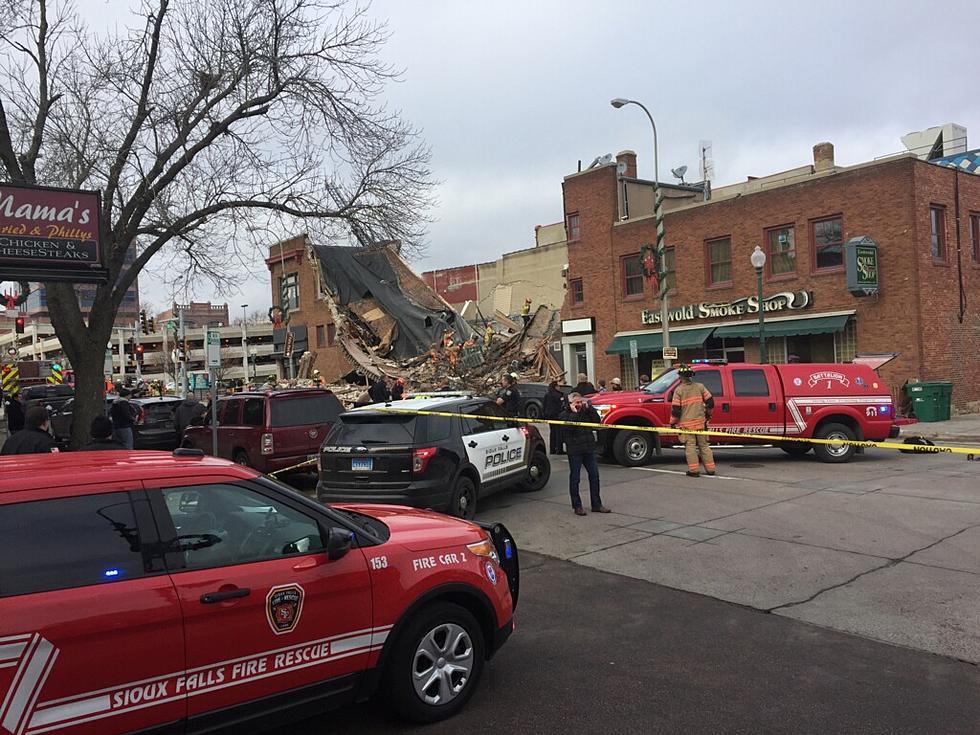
x,y
690,409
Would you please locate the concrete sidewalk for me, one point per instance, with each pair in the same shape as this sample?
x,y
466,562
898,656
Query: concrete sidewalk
x,y
965,428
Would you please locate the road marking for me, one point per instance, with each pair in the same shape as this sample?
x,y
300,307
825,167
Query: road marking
x,y
684,473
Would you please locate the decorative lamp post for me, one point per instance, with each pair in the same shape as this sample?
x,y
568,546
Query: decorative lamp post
x,y
758,259
659,215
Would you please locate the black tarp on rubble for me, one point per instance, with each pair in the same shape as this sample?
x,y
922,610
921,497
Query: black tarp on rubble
x,y
353,274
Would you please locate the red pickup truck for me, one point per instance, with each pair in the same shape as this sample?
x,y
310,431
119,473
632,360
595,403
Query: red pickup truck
x,y
799,400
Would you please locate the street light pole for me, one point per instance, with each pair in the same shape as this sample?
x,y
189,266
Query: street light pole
x,y
245,342
758,260
659,216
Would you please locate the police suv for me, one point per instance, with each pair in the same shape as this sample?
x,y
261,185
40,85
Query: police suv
x,y
445,459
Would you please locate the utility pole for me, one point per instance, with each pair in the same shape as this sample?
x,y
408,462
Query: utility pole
x,y
139,369
122,356
245,342
181,353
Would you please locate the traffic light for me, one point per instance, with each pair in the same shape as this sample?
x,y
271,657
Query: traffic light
x,y
139,354
19,325
151,325
143,321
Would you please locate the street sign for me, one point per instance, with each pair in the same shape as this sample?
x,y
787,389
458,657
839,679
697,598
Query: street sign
x,y
214,349
670,353
634,349
288,347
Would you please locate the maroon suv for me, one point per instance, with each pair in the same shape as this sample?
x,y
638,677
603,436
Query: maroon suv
x,y
269,431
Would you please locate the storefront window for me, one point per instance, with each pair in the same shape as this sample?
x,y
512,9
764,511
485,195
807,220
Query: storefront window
x,y
719,261
782,251
828,243
581,358
845,343
731,349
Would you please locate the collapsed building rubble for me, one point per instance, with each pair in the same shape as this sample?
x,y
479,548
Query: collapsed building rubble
x,y
390,323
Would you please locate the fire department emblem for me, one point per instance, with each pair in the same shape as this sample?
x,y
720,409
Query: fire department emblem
x,y
283,606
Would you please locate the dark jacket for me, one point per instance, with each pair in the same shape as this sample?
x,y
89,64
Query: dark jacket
x,y
578,439
379,392
553,404
397,391
15,414
101,445
122,414
512,400
186,412
584,389
29,441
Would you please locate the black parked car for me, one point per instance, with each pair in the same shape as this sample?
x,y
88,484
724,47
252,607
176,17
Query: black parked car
x,y
445,463
51,396
154,428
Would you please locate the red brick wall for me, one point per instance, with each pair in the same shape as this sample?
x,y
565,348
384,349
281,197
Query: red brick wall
x,y
915,313
455,285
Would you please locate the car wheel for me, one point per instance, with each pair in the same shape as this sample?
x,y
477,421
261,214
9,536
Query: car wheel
x,y
463,504
834,453
632,448
435,664
796,449
538,473
241,458
532,410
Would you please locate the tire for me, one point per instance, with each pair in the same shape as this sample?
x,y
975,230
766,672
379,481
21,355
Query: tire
x,y
538,473
796,449
632,448
532,410
829,453
241,458
427,639
463,503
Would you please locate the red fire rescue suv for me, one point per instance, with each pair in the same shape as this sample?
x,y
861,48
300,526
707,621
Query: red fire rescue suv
x,y
799,400
143,592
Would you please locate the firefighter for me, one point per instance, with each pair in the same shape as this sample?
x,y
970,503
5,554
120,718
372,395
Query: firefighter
x,y
526,311
487,336
691,409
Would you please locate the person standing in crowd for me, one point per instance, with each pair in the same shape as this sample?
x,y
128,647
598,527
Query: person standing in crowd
x,y
617,385
508,397
398,390
691,409
189,409
34,437
379,391
123,416
602,386
580,445
583,387
13,407
644,380
552,406
101,432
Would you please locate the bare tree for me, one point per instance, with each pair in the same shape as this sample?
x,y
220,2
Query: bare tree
x,y
204,126
256,316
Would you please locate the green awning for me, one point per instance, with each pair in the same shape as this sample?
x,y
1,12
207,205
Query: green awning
x,y
653,341
787,327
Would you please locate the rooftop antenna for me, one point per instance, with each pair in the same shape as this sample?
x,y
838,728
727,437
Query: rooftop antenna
x,y
707,168
679,172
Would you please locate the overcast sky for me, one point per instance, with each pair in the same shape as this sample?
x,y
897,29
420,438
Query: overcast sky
x,y
510,95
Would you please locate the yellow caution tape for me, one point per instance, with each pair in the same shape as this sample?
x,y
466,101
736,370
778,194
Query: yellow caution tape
x,y
765,438
294,467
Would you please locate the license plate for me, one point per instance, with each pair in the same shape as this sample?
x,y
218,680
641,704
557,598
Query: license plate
x,y
362,465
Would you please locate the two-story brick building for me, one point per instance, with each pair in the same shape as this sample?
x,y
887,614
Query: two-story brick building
x,y
923,214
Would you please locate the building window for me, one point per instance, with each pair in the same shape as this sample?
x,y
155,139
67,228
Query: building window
x,y
632,276
574,230
670,260
937,224
828,244
845,342
331,334
975,237
321,336
782,251
719,261
578,291
290,285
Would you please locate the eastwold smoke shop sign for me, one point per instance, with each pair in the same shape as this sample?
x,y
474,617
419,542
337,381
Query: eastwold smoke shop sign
x,y
49,234
784,301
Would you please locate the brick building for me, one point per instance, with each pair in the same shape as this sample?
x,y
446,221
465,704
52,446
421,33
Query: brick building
x,y
310,318
197,314
923,214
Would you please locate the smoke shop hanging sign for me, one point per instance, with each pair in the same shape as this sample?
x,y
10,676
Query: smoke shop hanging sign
x,y
861,259
783,301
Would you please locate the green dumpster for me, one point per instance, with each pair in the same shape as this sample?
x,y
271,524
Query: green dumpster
x,y
931,400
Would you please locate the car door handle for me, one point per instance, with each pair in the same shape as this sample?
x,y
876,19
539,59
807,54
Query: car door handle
x,y
212,597
472,445
724,407
772,406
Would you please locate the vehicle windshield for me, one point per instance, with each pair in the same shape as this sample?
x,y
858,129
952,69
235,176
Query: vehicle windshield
x,y
662,382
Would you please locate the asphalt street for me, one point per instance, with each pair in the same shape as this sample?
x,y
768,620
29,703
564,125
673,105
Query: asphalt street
x,y
782,596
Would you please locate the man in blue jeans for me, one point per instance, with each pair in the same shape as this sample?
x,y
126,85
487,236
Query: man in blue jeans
x,y
580,447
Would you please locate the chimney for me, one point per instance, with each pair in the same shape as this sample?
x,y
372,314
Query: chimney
x,y
629,158
823,157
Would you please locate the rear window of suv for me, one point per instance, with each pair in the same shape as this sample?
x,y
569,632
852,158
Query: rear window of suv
x,y
373,429
305,410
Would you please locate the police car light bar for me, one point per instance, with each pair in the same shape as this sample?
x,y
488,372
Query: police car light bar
x,y
712,361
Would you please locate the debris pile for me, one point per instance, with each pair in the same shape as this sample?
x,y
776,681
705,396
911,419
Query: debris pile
x,y
391,324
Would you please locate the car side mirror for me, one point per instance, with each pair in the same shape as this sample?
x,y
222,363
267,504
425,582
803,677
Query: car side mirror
x,y
339,542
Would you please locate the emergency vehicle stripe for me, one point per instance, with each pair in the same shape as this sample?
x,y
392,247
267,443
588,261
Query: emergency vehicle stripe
x,y
26,686
11,651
